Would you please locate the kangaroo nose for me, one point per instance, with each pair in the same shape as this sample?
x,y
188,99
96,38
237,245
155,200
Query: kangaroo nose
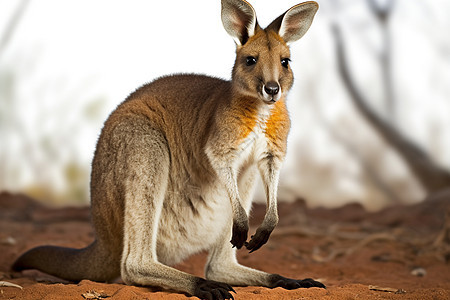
x,y
272,88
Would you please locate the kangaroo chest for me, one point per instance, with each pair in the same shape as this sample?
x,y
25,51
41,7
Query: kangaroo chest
x,y
255,141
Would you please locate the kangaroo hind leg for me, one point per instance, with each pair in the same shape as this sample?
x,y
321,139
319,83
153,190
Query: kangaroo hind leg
x,y
146,179
222,265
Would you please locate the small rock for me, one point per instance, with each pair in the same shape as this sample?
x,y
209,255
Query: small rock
x,y
419,272
8,241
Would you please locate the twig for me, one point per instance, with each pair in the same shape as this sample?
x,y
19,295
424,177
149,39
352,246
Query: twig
x,y
348,251
443,238
386,289
9,284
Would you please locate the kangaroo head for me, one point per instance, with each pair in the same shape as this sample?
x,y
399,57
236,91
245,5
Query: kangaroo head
x,y
261,69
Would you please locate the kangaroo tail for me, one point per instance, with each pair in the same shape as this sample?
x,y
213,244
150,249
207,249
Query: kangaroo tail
x,y
93,262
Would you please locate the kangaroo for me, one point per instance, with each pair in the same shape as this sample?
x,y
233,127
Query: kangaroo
x,y
175,167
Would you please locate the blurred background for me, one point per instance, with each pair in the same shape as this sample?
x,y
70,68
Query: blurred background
x,y
370,107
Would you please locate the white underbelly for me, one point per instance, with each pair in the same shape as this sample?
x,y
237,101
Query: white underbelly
x,y
188,229
184,231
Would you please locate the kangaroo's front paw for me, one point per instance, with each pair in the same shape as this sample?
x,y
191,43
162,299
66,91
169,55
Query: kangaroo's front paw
x,y
240,231
291,284
260,238
213,290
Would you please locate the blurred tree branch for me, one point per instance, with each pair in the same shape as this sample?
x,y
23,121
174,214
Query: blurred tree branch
x,y
11,26
383,14
370,173
431,176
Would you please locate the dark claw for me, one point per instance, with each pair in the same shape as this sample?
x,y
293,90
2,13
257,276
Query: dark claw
x,y
291,284
239,237
309,282
213,290
260,238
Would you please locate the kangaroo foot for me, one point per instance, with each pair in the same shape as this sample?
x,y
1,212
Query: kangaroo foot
x,y
292,284
213,290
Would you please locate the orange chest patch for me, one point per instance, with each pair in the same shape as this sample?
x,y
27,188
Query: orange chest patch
x,y
278,124
246,114
274,123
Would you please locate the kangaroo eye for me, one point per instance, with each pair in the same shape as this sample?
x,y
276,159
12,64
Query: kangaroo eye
x,y
250,60
285,62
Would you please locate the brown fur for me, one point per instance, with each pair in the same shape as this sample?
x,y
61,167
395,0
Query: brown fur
x,y
174,170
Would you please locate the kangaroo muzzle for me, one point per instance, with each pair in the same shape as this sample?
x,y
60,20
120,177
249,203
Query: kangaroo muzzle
x,y
271,92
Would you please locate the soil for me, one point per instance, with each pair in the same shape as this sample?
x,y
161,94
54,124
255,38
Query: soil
x,y
402,252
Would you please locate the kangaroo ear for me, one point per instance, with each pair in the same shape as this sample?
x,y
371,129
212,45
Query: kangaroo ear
x,y
239,20
295,22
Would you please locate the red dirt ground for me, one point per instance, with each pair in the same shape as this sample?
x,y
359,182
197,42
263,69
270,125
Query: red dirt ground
x,y
348,249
